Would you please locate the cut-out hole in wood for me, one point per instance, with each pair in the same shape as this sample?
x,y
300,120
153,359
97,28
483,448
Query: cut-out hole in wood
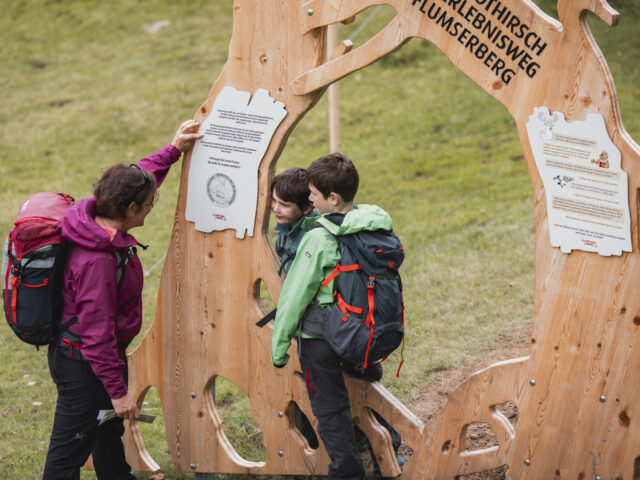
x,y
263,300
396,439
477,436
301,425
151,439
446,447
636,469
366,24
372,443
234,410
498,473
508,410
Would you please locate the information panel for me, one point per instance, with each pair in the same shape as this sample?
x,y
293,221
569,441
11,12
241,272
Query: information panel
x,y
223,176
585,186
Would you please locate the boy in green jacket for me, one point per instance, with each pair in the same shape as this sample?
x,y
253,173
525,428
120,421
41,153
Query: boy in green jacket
x,y
333,182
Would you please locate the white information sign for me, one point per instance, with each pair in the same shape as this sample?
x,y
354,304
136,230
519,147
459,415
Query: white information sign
x,y
586,188
223,176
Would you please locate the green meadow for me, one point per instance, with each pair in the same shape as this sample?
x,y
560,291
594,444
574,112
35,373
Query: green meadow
x,y
83,85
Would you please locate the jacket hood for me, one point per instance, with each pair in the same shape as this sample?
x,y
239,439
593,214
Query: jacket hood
x,y
362,217
80,227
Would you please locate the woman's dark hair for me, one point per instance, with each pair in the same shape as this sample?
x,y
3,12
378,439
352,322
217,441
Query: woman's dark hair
x,y
334,173
119,186
291,186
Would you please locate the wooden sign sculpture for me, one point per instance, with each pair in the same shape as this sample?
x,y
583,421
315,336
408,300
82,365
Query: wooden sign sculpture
x,y
576,394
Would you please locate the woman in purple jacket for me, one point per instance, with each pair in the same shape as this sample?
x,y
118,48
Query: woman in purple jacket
x,y
102,313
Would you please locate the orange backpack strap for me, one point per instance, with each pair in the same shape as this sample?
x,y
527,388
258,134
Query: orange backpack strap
x,y
370,321
340,268
345,307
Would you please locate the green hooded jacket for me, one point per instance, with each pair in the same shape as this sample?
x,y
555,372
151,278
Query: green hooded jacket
x,y
317,256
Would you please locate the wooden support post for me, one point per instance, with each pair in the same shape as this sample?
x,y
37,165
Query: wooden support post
x,y
334,95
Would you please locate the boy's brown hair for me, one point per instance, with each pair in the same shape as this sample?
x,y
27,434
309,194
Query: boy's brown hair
x,y
334,173
291,186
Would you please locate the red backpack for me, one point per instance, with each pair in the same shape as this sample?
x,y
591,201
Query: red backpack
x,y
33,264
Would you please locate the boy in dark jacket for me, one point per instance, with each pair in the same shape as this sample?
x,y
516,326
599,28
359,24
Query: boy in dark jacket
x,y
333,183
291,205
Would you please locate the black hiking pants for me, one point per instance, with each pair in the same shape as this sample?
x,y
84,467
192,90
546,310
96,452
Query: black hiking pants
x,y
76,434
327,392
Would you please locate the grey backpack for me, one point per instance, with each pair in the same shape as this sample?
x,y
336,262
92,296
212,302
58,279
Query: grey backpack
x,y
366,322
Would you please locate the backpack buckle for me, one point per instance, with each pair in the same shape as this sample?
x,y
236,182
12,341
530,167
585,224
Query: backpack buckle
x,y
371,282
16,274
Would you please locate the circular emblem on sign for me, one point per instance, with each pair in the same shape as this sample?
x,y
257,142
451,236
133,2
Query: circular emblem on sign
x,y
221,190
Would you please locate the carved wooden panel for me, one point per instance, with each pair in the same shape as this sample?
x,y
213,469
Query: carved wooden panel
x,y
576,394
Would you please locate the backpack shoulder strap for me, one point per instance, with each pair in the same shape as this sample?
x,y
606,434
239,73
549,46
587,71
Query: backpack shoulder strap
x,y
8,257
286,254
121,262
120,268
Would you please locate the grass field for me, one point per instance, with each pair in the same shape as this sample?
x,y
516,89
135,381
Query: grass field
x,y
83,86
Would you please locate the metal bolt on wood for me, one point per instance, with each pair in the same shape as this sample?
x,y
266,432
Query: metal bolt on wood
x,y
527,462
603,399
598,478
532,382
281,453
193,394
280,414
309,12
193,466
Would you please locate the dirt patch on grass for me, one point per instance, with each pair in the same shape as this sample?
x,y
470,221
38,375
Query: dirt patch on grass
x,y
432,398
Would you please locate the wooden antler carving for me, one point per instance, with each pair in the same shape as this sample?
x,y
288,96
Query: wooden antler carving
x,y
576,394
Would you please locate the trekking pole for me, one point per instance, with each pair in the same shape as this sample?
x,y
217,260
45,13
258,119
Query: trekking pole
x,y
148,272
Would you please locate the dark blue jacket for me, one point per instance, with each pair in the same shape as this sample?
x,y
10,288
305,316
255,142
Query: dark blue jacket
x,y
288,240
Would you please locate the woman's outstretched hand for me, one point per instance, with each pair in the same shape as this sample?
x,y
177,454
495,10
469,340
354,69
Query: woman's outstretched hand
x,y
126,407
186,135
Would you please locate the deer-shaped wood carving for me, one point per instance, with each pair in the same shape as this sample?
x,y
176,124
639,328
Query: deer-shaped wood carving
x,y
577,399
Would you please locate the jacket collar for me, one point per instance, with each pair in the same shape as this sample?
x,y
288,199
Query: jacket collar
x,y
292,231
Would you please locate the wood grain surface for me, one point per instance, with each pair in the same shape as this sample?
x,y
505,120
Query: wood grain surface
x,y
577,419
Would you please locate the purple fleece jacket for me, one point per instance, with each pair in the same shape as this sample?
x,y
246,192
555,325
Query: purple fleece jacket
x,y
106,316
